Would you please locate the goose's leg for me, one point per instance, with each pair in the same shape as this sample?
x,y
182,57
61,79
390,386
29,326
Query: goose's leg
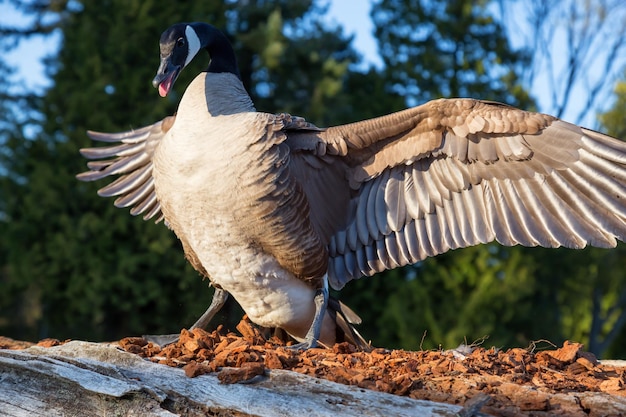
x,y
219,298
321,303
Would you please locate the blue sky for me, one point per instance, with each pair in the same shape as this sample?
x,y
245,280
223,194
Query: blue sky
x,y
354,16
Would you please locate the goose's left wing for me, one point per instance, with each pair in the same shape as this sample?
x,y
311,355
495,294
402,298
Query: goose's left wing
x,y
455,173
130,157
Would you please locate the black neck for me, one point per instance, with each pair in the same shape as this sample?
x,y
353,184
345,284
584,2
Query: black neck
x,y
219,48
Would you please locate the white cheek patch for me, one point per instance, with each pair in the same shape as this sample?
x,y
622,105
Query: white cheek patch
x,y
193,44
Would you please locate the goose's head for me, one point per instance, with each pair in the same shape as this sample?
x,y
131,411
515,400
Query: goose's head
x,y
181,42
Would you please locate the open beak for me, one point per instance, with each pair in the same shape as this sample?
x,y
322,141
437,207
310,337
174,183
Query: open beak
x,y
166,76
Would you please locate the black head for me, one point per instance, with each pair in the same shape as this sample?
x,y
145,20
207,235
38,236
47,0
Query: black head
x,y
181,42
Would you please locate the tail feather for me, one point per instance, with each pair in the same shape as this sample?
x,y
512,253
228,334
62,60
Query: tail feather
x,y
345,319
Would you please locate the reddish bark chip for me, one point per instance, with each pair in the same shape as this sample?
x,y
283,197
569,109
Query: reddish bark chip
x,y
247,371
250,333
49,343
191,342
586,363
272,361
344,347
139,346
568,353
132,341
8,343
611,385
193,369
221,346
589,357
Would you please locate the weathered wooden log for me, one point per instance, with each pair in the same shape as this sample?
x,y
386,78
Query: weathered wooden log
x,y
90,379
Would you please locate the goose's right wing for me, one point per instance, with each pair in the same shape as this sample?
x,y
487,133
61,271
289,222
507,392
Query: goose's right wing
x,y
130,156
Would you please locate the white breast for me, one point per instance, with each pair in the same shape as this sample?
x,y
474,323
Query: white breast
x,y
202,170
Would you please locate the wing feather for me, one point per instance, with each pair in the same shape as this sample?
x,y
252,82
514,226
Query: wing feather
x,y
361,260
422,193
128,183
404,256
599,229
131,158
363,217
498,218
449,224
413,243
395,208
433,236
382,206
370,217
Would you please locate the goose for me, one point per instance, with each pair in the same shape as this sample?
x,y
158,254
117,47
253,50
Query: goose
x,y
274,210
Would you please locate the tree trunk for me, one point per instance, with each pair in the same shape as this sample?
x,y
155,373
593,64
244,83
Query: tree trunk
x,y
90,379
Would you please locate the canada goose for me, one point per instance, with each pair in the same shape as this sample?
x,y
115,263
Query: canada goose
x,y
272,209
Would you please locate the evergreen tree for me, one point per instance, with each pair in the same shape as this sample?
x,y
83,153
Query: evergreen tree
x,y
439,48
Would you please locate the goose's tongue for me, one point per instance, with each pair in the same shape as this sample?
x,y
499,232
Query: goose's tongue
x,y
166,84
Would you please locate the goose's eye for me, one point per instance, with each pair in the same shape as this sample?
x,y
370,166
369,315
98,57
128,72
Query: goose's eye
x,y
180,42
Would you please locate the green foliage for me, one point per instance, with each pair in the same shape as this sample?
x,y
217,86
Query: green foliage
x,y
613,120
439,48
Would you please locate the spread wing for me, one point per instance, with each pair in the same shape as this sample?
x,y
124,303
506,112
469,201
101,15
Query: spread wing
x,y
456,173
130,156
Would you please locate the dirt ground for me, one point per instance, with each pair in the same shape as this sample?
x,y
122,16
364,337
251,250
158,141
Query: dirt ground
x,y
565,381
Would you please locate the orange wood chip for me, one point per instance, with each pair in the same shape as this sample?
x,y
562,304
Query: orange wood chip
x,y
247,371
